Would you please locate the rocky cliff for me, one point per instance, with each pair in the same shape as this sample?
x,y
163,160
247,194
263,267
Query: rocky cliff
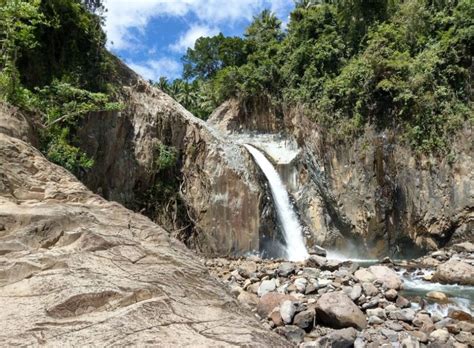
x,y
218,206
77,269
372,195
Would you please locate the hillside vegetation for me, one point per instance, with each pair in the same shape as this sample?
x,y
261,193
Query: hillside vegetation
x,y
402,65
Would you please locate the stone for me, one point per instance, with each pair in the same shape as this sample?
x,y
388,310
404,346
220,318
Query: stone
x,y
355,292
387,276
402,302
440,335
337,310
269,301
391,294
465,337
275,317
311,288
317,250
300,284
455,272
459,315
343,338
406,314
315,261
248,299
370,289
305,319
247,268
437,295
285,269
409,342
79,270
287,310
311,272
378,312
420,336
253,288
364,275
373,320
292,333
467,247
266,286
422,319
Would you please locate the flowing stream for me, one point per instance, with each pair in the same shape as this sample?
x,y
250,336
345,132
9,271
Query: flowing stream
x,y
292,230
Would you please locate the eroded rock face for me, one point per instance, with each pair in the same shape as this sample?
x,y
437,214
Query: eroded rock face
x,y
78,270
221,208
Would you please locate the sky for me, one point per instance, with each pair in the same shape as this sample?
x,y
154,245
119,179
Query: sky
x,y
151,36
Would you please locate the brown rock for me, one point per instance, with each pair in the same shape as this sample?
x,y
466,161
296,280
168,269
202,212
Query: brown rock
x,y
275,316
269,301
455,272
248,299
337,310
459,315
437,295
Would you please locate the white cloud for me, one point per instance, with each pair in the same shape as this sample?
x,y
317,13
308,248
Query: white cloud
x,y
124,15
189,38
154,69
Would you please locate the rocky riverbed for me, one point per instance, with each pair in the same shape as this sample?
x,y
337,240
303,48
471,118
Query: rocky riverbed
x,y
323,302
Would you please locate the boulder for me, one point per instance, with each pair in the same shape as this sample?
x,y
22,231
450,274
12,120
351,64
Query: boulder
x,y
370,289
266,286
300,284
292,333
305,319
437,295
364,275
269,301
78,270
337,310
355,292
454,272
391,294
287,310
343,338
440,335
406,314
286,268
248,299
387,276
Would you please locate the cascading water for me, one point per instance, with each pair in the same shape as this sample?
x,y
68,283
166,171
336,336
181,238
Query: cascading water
x,y
292,231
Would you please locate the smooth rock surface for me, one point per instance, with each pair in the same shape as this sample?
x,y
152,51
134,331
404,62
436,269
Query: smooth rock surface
x,y
338,311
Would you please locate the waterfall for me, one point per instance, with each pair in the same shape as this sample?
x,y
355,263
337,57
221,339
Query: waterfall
x,y
292,230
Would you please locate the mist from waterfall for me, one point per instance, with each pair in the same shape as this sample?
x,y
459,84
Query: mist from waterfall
x,y
292,230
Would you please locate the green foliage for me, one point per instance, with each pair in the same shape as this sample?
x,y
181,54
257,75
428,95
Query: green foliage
x,y
404,65
53,62
166,157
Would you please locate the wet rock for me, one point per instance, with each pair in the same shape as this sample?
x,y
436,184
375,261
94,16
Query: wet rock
x,y
266,286
338,311
459,315
391,294
286,268
455,272
343,338
387,276
407,315
316,261
269,301
292,333
317,250
437,295
305,319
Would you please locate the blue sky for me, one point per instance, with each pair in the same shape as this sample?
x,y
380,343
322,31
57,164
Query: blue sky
x,y
151,36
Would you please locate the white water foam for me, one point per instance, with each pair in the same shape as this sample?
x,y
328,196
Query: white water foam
x,y
292,231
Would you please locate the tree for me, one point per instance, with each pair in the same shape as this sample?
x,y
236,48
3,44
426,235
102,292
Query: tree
x,y
211,54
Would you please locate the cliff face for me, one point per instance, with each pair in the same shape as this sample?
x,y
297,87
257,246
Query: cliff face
x,y
371,196
219,207
76,269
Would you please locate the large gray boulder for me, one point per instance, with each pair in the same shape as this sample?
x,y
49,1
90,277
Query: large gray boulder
x,y
387,276
337,310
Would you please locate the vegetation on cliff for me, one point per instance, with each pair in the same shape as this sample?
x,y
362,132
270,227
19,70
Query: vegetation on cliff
x,y
403,65
53,62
